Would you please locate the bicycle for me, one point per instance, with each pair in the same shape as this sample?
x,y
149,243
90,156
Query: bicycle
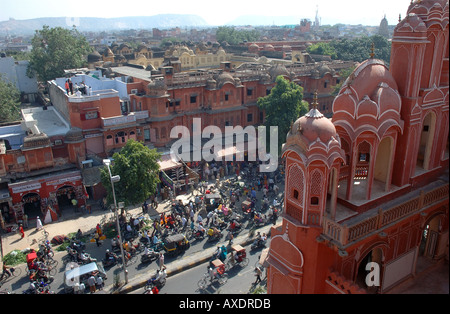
x,y
13,272
220,278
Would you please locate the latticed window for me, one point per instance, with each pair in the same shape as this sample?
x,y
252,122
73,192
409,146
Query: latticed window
x,y
316,183
296,181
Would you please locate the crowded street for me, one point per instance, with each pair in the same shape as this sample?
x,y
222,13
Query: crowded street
x,y
215,215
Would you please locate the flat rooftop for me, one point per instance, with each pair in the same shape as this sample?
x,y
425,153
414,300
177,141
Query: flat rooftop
x,y
132,71
47,121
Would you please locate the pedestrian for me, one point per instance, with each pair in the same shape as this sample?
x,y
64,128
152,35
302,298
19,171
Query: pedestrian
x,y
98,229
99,282
161,260
66,85
274,216
38,223
71,87
22,233
91,283
230,237
97,238
25,221
258,275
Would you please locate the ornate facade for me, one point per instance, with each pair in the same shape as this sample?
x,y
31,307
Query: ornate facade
x,y
366,199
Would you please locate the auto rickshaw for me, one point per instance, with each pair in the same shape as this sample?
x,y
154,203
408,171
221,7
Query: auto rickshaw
x,y
176,244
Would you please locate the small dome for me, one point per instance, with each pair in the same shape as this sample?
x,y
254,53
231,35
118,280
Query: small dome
x,y
278,70
74,135
94,57
324,69
158,84
225,78
36,140
314,125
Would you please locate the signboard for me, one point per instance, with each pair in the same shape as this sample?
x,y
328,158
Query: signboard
x,y
26,187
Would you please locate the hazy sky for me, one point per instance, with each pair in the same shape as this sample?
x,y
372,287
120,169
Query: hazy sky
x,y
330,11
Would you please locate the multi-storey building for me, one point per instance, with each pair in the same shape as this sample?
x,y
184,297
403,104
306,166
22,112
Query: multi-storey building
x,y
366,197
125,103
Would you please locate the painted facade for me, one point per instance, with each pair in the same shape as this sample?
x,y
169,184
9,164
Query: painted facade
x,y
366,198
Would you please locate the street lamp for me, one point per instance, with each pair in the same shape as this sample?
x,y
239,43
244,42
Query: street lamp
x,y
116,178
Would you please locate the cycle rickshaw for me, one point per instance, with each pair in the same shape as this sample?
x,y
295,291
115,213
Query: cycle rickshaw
x,y
238,256
216,274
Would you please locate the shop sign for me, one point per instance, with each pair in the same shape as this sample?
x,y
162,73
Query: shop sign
x,y
61,181
93,135
26,187
118,120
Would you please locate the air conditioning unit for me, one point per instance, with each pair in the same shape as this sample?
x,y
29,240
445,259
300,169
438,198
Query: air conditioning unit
x,y
134,91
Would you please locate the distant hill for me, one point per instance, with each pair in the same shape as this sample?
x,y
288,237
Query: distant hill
x,y
24,27
261,20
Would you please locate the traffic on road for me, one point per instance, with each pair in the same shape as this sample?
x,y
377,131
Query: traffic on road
x,y
213,217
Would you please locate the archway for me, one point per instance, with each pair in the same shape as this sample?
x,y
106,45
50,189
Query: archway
x,y
32,205
426,141
370,273
64,196
428,243
382,169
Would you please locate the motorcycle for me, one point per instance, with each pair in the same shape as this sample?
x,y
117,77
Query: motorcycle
x,y
159,280
149,257
235,227
112,260
85,258
219,223
77,245
259,220
258,243
213,236
198,235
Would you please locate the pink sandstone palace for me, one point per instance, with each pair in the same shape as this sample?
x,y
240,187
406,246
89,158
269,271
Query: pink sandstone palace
x,y
366,194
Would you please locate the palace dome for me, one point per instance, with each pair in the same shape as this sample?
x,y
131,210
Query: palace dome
x,y
314,125
368,99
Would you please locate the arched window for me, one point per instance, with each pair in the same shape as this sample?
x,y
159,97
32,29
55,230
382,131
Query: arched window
x,y
121,137
109,140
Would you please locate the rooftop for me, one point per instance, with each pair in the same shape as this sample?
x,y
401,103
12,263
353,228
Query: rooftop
x,y
47,121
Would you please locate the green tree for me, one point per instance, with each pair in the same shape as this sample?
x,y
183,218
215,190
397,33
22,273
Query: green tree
x,y
282,106
233,36
9,102
359,49
55,50
138,168
324,49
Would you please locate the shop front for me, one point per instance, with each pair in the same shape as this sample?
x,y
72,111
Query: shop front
x,y
48,196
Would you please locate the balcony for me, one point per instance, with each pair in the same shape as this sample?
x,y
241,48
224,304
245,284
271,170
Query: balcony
x,y
346,233
132,117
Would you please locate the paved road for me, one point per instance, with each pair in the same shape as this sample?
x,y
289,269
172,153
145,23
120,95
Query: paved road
x,y
240,279
138,273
